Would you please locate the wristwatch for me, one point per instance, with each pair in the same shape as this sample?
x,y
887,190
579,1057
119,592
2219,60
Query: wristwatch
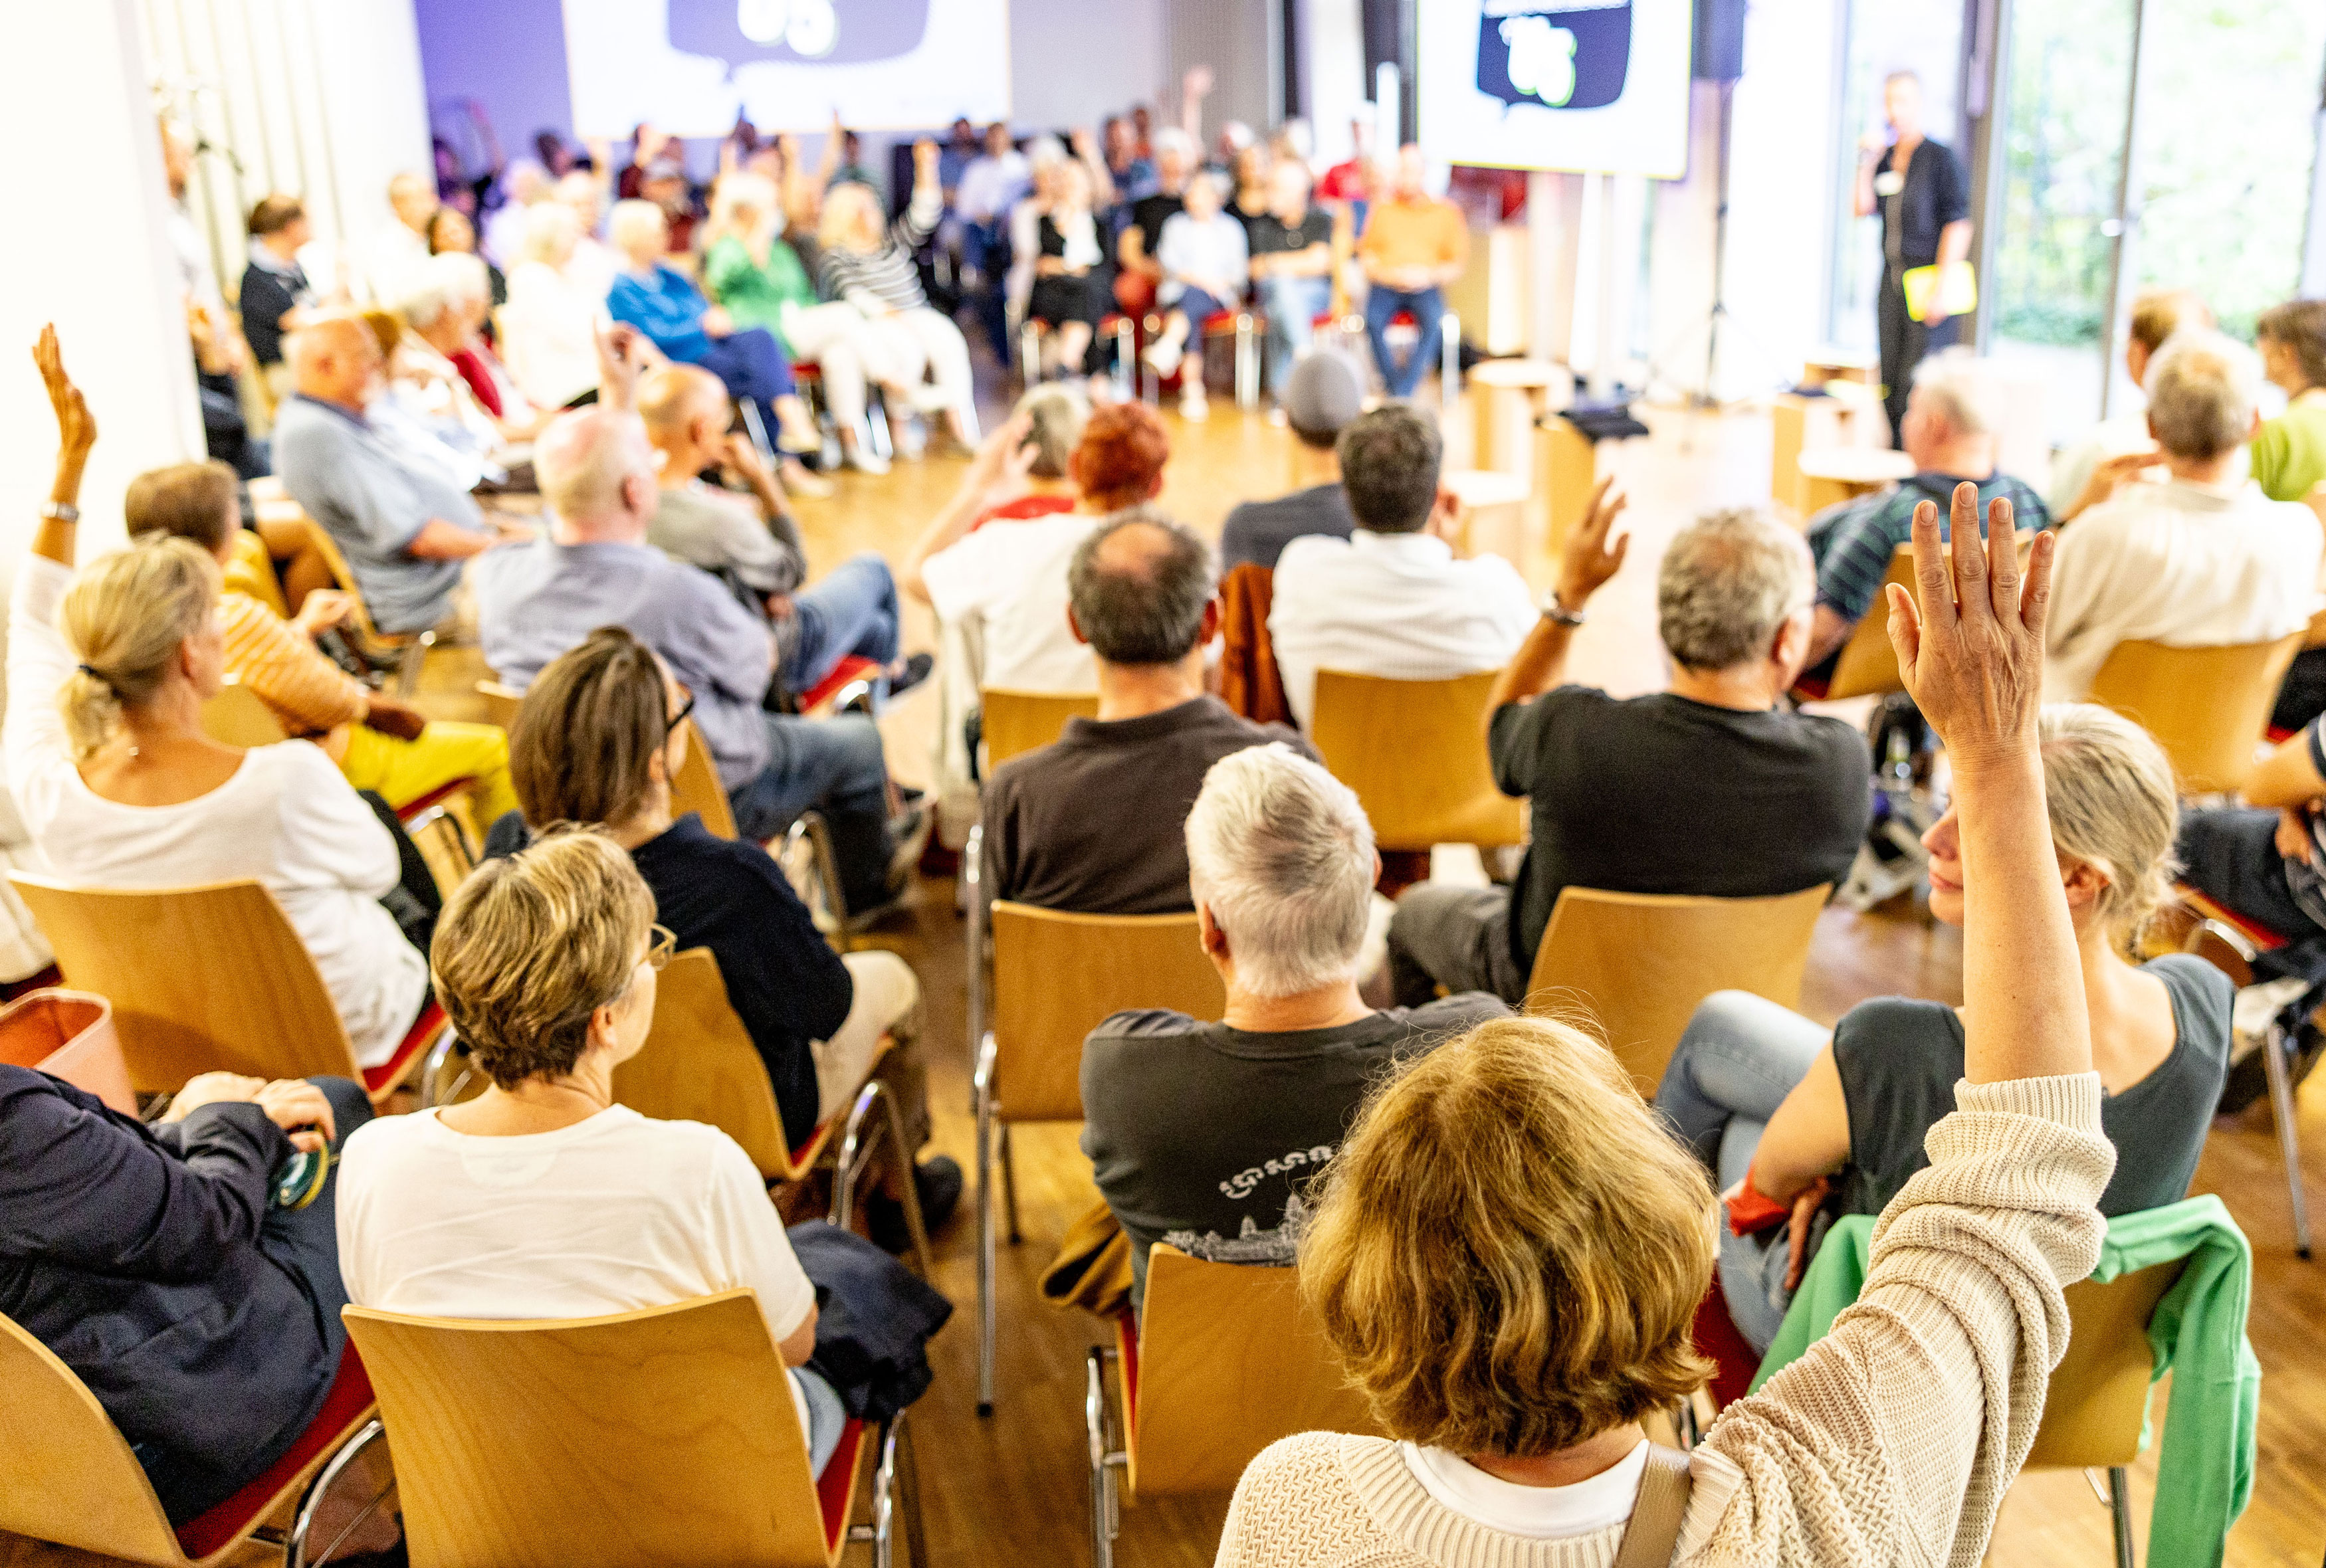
x,y
1555,611
61,512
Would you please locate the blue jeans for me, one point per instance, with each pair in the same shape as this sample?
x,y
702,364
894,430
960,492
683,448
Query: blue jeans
x,y
1292,304
826,1418
1739,1057
750,364
852,610
1426,307
835,766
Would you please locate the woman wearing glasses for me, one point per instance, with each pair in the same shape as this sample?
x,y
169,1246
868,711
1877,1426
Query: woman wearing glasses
x,y
541,1198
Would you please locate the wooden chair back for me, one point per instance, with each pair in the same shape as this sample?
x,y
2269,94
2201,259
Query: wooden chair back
x,y
1017,722
236,717
1056,974
501,702
1641,962
697,788
1868,665
699,1064
1229,1361
2207,708
2097,1400
72,1477
664,1435
1415,751
359,613
201,979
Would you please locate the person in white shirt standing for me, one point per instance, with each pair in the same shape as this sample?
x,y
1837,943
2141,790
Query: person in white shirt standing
x,y
2202,560
1393,598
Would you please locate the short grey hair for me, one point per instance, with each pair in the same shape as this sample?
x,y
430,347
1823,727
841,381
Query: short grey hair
x,y
633,220
2202,389
1172,139
1142,606
1961,389
1058,413
1728,581
441,282
550,227
1281,854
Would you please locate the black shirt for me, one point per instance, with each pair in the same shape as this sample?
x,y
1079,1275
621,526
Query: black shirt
x,y
1935,194
782,979
1204,1136
1096,821
1258,530
265,298
1269,234
1660,794
1149,214
1900,1059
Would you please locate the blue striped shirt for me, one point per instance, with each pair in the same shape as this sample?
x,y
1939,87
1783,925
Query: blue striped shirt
x,y
1853,543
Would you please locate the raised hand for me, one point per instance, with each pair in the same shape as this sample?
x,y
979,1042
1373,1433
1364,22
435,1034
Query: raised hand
x,y
76,426
1970,652
1589,558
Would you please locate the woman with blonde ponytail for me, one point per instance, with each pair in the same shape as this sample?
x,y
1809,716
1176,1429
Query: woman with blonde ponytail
x,y
107,672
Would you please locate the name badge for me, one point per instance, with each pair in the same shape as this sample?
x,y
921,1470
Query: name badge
x,y
1889,182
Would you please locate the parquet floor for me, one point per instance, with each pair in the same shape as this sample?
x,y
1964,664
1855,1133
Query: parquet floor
x,y
1012,1489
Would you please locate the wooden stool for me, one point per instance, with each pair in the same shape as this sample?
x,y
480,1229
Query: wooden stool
x,y
1832,364
1566,467
1838,474
1493,511
1506,397
1800,422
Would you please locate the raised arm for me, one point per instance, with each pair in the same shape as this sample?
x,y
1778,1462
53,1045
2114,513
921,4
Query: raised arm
x,y
55,537
1001,463
1587,563
38,753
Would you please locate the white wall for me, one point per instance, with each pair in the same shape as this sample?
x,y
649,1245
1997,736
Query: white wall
x,y
1074,62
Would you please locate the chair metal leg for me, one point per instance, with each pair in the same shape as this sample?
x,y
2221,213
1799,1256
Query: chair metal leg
x,y
432,1067
854,1147
908,1490
1247,361
1450,353
876,418
1126,359
1106,1519
881,1530
2120,1510
983,1083
1010,1183
1150,386
1029,356
408,663
2282,1109
294,1551
972,878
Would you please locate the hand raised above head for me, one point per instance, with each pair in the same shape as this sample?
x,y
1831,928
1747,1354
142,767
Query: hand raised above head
x,y
1969,639
76,426
1590,557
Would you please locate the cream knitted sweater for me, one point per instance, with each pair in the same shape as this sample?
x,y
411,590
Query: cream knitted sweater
x,y
1891,1440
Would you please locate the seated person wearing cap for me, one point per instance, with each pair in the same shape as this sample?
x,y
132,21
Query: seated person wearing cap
x,y
1320,398
1094,821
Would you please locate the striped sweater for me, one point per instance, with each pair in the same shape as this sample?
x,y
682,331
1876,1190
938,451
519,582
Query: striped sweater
x,y
877,282
306,691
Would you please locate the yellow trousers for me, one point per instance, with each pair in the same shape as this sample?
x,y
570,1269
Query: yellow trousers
x,y
403,771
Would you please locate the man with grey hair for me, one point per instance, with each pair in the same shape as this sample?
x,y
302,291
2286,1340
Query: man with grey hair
x,y
1092,822
1713,788
1203,1134
2204,559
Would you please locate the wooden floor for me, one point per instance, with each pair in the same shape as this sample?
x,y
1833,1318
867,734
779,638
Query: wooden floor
x,y
1013,1489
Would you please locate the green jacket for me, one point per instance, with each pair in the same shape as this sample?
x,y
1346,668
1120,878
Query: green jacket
x,y
2197,1333
756,295
2289,452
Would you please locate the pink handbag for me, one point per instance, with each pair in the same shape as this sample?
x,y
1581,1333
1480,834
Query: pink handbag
x,y
70,1035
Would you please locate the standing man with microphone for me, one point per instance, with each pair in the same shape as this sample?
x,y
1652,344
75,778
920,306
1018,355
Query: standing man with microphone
x,y
1918,188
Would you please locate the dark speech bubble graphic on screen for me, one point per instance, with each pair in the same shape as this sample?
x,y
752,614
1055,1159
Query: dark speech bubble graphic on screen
x,y
1555,55
798,32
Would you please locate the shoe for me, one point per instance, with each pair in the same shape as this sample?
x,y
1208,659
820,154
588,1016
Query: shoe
x,y
798,481
952,447
928,397
915,669
1163,358
863,460
1195,407
937,1181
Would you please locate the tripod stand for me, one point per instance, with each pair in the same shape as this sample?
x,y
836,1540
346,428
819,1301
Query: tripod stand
x,y
1717,318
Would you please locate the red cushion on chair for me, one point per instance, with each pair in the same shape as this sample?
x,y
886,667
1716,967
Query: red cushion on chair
x,y
806,369
1405,318
1808,691
2279,736
417,1038
853,667
835,1489
1717,1336
1318,322
350,1397
2261,936
433,799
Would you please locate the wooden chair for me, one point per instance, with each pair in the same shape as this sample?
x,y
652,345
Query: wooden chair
x,y
208,978
1868,665
2207,708
663,1435
72,1479
1017,722
1055,975
501,702
69,1036
412,647
1642,962
1228,1361
237,717
1415,751
2096,1407
697,788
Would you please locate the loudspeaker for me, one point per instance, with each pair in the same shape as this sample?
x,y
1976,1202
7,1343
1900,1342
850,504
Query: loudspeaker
x,y
1719,54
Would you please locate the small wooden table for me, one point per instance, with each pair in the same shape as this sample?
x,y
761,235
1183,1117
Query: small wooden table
x,y
1493,511
1506,397
1804,421
1837,474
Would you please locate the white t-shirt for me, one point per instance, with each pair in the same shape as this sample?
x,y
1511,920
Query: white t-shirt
x,y
608,1215
287,818
549,329
1537,1513
1391,604
2188,565
1011,578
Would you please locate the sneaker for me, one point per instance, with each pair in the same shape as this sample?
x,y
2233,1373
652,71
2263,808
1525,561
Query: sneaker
x,y
1163,358
937,1181
863,460
915,670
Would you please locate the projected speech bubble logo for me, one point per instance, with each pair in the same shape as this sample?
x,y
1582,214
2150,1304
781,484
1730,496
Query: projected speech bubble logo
x,y
799,32
1556,54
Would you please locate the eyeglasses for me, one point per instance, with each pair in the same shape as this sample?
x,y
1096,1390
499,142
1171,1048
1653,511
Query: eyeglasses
x,y
665,943
680,717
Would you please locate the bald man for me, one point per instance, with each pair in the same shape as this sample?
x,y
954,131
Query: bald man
x,y
754,542
406,527
594,568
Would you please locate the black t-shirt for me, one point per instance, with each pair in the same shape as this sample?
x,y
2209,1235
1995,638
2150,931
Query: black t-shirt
x,y
1149,214
1204,1136
1660,794
782,979
1935,194
265,298
1900,1059
1269,234
1096,821
1258,530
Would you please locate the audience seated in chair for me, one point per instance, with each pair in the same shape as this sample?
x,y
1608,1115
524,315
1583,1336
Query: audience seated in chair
x,y
1950,432
275,296
595,743
595,569
549,328
2202,560
2118,449
542,1198
1413,246
1792,1120
1205,1134
1096,822
2289,452
1207,267
156,1262
2261,861
380,744
1508,1258
1712,788
1321,397
117,782
1393,598
405,524
1074,286
447,307
1292,268
1138,247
